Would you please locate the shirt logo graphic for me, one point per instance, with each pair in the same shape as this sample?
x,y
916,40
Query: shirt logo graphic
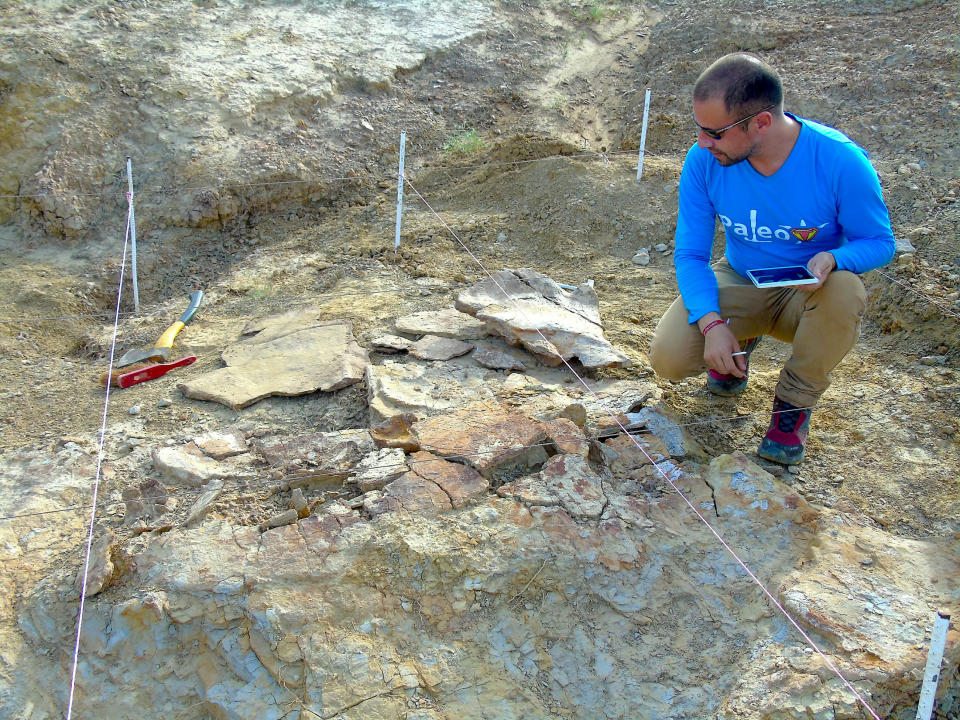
x,y
804,234
758,233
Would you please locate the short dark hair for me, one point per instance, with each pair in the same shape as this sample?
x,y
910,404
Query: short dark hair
x,y
744,83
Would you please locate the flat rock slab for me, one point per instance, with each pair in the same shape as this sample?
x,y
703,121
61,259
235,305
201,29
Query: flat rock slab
x,y
325,357
485,436
395,388
530,309
391,344
434,347
448,323
860,589
625,454
742,489
577,487
460,482
283,323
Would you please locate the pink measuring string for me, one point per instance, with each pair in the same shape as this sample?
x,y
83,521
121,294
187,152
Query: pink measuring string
x,y
96,482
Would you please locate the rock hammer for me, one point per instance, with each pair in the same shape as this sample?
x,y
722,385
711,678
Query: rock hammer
x,y
161,349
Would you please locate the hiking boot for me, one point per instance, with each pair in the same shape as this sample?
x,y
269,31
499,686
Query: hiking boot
x,y
787,435
730,385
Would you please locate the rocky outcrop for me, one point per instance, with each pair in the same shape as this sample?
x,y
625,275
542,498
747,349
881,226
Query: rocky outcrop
x,y
556,594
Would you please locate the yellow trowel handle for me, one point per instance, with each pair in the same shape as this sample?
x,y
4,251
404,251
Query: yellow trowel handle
x,y
170,334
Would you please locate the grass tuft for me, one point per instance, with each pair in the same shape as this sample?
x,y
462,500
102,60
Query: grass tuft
x,y
465,142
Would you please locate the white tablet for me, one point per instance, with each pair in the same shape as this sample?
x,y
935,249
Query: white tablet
x,y
778,276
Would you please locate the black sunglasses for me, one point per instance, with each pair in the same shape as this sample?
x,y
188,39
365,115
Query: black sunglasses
x,y
717,134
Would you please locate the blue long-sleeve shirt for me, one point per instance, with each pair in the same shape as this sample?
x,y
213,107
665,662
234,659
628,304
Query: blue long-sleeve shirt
x,y
825,196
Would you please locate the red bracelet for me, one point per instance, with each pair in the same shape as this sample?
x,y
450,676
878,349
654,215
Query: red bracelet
x,y
712,325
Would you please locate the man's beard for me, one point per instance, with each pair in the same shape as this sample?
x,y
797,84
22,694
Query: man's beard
x,y
728,160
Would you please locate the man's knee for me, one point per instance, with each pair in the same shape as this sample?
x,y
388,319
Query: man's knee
x,y
673,352
666,361
844,293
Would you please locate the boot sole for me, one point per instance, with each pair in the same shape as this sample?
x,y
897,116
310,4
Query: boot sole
x,y
782,454
722,391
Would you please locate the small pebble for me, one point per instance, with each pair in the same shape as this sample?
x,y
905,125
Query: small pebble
x,y
660,247
135,410
793,469
164,402
641,258
299,503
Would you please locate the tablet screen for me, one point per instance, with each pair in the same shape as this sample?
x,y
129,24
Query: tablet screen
x,y
797,273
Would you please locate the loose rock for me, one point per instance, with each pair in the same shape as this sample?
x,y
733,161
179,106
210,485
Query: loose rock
x,y
101,567
448,323
433,347
203,503
220,445
543,317
391,344
497,359
182,467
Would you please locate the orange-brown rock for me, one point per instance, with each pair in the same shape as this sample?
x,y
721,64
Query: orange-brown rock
x,y
484,435
394,432
567,437
410,493
461,483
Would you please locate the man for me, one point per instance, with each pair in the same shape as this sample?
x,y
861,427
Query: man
x,y
787,191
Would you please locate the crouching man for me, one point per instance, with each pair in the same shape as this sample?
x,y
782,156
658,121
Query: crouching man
x,y
788,191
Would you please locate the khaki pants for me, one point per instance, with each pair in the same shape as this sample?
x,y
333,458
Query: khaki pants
x,y
822,325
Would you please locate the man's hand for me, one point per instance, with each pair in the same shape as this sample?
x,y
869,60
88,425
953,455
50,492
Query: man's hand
x,y
719,344
821,265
